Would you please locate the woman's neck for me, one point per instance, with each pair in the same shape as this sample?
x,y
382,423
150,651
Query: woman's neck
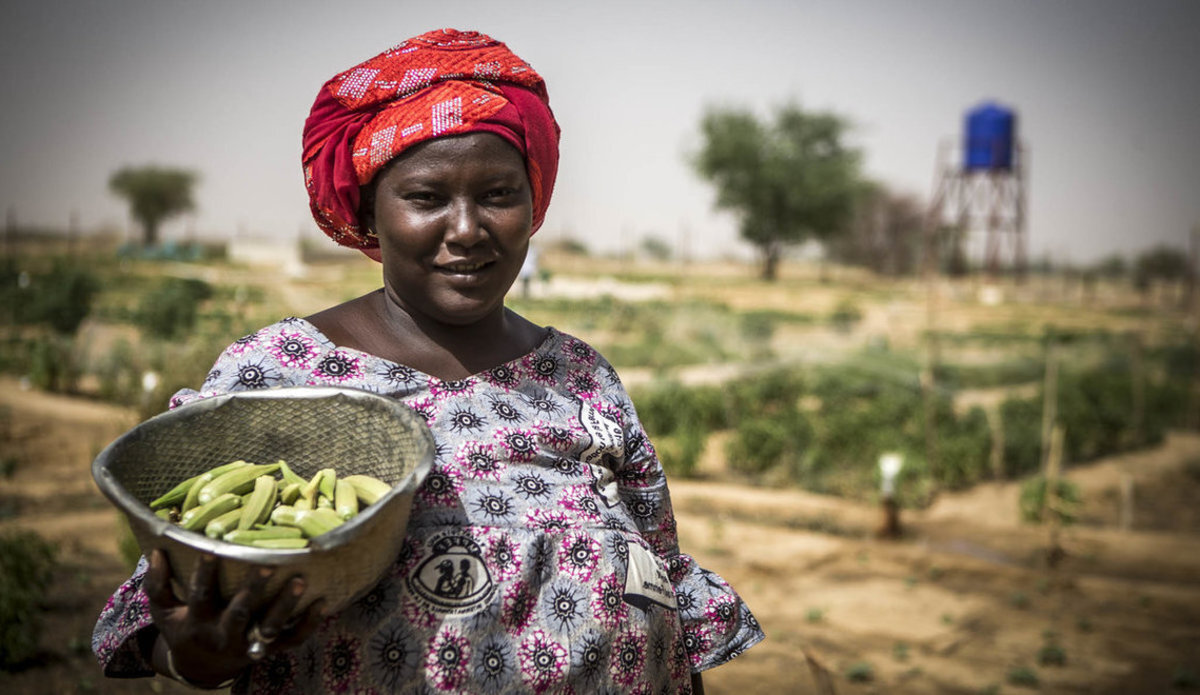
x,y
453,351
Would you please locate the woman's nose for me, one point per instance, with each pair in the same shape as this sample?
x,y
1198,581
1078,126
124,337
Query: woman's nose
x,y
465,226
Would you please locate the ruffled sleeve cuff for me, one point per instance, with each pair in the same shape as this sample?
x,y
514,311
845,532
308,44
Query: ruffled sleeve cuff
x,y
124,628
717,624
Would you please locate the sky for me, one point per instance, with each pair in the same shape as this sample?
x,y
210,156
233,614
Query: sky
x,y
1105,92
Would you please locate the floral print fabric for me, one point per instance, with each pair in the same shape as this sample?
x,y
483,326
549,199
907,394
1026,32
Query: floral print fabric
x,y
526,543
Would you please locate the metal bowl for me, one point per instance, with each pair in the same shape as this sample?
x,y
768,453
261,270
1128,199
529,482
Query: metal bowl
x,y
311,428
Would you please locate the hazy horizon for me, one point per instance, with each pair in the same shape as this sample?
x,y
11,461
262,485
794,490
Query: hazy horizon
x,y
1108,107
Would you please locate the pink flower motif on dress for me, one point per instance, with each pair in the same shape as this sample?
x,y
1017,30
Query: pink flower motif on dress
x,y
681,665
579,352
543,661
666,541
338,366
516,610
445,390
293,349
479,460
560,436
628,659
442,487
244,344
581,501
447,660
542,367
608,602
519,444
549,520
408,557
502,376
679,566
578,554
427,408
721,611
583,384
697,638
503,558
610,411
341,665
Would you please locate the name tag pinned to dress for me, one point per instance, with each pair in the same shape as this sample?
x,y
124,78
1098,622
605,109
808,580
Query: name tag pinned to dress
x,y
606,439
646,581
606,486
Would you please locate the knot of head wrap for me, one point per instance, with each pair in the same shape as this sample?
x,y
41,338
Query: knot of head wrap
x,y
440,83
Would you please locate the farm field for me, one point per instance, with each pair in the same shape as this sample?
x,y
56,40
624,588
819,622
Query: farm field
x,y
964,601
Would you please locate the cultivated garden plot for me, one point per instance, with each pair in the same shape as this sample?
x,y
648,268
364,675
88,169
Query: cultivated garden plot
x,y
770,404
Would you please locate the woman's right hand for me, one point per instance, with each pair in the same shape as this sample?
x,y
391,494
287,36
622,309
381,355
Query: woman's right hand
x,y
207,637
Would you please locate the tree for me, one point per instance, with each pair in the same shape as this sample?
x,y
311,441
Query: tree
x,y
1163,263
154,194
884,233
789,179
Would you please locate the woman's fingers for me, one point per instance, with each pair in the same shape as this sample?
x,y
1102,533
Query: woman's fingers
x,y
250,608
298,629
245,603
272,624
157,583
203,589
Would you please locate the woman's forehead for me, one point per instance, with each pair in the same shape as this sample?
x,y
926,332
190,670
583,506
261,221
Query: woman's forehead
x,y
475,150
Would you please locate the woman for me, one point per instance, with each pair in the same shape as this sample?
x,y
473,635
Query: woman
x,y
541,553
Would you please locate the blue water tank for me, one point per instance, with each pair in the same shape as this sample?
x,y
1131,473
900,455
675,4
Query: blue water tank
x,y
990,138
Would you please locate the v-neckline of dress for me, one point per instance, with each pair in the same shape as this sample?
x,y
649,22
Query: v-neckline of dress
x,y
551,334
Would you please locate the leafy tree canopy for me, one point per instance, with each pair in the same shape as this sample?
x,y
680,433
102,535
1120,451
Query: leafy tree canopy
x,y
154,194
790,178
885,231
1163,263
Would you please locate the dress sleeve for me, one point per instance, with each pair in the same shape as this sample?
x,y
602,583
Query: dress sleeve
x,y
717,623
125,630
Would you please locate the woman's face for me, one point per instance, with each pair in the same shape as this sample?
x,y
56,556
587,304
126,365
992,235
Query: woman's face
x,y
453,216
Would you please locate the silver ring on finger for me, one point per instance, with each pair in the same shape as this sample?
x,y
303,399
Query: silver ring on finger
x,y
258,644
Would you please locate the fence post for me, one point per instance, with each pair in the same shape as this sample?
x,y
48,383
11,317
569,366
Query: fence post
x,y
1052,506
1137,370
1125,518
995,418
1049,396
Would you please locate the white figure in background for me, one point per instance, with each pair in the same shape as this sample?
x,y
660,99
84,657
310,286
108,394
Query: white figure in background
x,y
529,270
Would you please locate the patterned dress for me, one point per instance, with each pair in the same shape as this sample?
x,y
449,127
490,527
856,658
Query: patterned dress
x,y
541,553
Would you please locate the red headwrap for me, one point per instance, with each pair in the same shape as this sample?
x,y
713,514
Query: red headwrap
x,y
444,82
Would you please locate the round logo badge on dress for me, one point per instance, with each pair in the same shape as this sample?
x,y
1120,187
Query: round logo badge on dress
x,y
454,579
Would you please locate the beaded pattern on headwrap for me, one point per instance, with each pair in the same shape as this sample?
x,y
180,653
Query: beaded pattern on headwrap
x,y
440,83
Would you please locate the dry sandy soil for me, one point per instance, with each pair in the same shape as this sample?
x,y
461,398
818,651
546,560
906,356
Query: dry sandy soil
x,y
963,602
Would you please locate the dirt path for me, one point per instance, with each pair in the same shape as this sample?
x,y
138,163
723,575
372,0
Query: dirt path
x,y
962,604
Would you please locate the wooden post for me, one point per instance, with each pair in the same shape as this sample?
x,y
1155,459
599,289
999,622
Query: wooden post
x,y
1049,396
1052,506
820,673
929,371
1125,518
10,232
1137,376
995,420
1189,279
889,467
1193,407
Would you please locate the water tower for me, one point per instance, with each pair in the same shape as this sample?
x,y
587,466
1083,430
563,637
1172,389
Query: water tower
x,y
980,191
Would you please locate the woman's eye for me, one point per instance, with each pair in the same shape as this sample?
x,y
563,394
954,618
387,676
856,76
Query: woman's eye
x,y
499,193
421,197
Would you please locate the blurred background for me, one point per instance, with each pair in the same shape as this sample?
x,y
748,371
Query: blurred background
x,y
905,294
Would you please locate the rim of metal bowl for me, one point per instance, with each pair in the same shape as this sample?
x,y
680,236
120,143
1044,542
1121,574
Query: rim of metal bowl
x,y
128,504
